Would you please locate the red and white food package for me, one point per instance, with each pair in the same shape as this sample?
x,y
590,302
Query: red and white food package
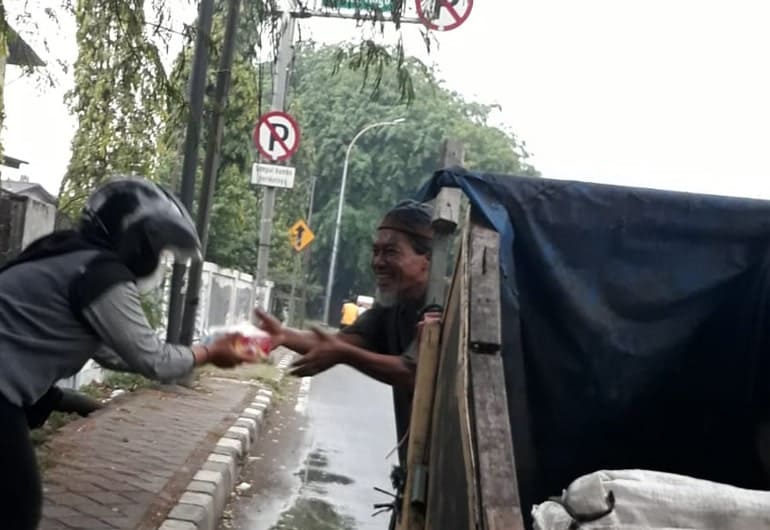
x,y
251,340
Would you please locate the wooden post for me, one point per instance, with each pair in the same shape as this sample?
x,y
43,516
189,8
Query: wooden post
x,y
452,153
446,216
497,486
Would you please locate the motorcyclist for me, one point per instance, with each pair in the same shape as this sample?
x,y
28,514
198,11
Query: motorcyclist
x,y
75,294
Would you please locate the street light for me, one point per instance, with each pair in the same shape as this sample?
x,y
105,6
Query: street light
x,y
336,242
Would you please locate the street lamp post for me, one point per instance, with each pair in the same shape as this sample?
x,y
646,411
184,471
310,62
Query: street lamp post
x,y
340,205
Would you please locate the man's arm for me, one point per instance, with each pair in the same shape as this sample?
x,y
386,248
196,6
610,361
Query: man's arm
x,y
344,348
107,358
392,370
118,319
299,341
320,351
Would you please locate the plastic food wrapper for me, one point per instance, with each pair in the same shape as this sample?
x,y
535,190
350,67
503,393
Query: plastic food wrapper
x,y
250,340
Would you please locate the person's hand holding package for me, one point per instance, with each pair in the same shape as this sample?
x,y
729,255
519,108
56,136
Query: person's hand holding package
x,y
227,351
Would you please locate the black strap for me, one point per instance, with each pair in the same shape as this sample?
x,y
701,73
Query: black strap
x,y
54,244
430,308
94,279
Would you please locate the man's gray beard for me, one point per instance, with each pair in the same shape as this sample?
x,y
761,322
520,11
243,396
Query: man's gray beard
x,y
385,298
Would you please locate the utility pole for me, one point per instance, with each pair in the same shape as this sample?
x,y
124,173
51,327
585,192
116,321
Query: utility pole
x,y
190,163
210,167
280,83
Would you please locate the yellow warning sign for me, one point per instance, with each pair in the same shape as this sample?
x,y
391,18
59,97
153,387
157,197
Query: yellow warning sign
x,y
300,235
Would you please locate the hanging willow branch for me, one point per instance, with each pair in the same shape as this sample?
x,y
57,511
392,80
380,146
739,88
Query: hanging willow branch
x,y
120,92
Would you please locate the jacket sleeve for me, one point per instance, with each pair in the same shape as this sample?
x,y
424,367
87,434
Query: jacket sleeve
x,y
118,319
107,358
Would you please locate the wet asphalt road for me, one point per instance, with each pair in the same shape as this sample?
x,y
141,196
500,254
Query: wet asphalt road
x,y
323,451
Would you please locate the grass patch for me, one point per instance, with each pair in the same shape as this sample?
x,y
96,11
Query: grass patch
x,y
259,372
127,381
40,436
263,373
115,381
55,421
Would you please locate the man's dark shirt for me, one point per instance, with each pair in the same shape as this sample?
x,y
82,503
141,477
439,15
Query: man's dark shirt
x,y
392,331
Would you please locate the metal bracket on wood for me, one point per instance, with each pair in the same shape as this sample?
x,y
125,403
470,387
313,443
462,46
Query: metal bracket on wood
x,y
419,480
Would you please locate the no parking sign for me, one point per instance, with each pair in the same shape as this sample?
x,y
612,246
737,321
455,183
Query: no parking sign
x,y
448,14
276,136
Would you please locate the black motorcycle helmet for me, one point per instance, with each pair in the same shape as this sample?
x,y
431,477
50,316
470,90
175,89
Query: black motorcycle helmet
x,y
138,219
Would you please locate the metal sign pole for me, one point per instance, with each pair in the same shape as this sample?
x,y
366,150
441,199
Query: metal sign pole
x,y
282,65
192,137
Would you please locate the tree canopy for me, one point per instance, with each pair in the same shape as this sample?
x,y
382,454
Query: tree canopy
x,y
117,99
132,115
331,104
387,164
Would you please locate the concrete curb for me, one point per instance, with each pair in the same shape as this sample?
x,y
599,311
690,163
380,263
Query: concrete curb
x,y
202,504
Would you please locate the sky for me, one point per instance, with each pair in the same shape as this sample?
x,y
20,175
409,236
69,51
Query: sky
x,y
661,93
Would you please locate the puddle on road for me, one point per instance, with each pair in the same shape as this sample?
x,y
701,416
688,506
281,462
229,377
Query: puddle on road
x,y
313,473
313,514
317,459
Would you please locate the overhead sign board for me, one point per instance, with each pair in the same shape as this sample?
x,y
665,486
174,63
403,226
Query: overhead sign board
x,y
385,6
272,175
300,235
276,136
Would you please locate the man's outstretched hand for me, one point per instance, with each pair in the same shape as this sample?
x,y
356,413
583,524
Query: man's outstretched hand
x,y
327,352
272,326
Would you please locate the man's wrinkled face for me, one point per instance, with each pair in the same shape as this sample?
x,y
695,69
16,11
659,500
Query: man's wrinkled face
x,y
400,272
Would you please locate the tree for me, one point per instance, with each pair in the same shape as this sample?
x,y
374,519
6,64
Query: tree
x,y
332,102
233,232
387,164
121,88
118,100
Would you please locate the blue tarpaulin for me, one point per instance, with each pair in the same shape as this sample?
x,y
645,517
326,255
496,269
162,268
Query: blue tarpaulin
x,y
640,318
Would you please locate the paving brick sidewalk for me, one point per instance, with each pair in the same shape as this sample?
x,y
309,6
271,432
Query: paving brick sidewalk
x,y
125,466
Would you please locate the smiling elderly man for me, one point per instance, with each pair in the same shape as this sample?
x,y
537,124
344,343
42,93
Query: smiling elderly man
x,y
381,343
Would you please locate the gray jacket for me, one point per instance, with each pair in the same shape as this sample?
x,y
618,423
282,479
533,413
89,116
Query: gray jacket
x,y
54,317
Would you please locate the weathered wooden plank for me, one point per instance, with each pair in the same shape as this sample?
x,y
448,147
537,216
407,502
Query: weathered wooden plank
x,y
493,443
413,514
446,210
462,391
496,467
446,216
452,153
447,478
515,384
420,433
484,286
503,519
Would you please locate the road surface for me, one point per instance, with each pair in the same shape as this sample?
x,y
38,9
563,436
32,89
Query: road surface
x,y
323,451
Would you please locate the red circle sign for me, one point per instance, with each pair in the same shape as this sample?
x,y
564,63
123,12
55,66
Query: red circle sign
x,y
276,136
453,13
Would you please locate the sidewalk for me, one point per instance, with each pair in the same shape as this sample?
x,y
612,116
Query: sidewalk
x,y
126,466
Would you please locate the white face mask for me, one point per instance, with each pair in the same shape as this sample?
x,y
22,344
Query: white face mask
x,y
152,282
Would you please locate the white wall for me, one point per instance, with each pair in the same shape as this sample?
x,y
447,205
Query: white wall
x,y
39,220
